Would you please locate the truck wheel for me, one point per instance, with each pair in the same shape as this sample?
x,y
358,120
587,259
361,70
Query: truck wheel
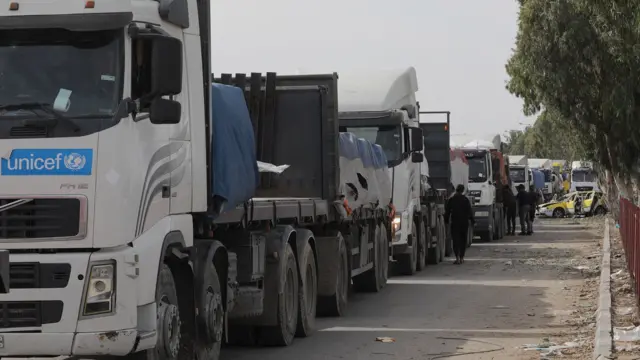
x,y
283,333
445,242
370,281
470,236
168,319
433,255
422,248
384,257
336,304
407,262
211,315
495,232
308,293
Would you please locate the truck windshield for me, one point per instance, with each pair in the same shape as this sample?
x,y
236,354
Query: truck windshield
x,y
547,175
517,175
477,168
388,137
583,176
79,74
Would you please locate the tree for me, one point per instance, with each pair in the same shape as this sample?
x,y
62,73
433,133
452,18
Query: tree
x,y
579,59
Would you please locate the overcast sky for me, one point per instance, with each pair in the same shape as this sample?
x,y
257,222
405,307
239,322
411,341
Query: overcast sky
x,y
458,47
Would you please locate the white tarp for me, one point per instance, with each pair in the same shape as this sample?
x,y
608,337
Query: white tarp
x,y
459,168
364,178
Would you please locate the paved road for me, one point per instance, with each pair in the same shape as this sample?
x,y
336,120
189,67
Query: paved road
x,y
508,293
504,294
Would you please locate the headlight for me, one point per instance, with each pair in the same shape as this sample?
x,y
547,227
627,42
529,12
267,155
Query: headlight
x,y
395,224
482,214
100,289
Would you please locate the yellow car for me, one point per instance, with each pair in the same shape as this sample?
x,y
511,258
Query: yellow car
x,y
599,208
558,207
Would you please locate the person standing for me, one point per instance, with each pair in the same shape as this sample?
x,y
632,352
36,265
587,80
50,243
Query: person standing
x,y
524,207
511,208
535,199
458,213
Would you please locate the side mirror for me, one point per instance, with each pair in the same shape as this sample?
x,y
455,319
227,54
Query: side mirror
x,y
166,66
164,111
417,157
417,141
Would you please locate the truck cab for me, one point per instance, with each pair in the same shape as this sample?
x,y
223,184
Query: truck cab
x,y
486,177
385,112
583,177
520,175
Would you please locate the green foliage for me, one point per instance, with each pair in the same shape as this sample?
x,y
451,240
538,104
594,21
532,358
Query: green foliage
x,y
578,61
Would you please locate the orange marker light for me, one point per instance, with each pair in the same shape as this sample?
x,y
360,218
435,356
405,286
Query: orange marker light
x,y
446,128
89,4
14,6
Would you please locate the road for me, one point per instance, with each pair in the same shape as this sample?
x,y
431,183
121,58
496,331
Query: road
x,y
511,292
520,290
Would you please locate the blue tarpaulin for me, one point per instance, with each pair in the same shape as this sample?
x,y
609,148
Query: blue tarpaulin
x,y
235,169
538,179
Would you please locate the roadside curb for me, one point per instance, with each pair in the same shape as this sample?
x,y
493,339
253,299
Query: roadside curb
x,y
603,344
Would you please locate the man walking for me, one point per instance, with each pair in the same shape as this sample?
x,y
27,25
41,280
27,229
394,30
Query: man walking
x,y
458,213
524,206
511,208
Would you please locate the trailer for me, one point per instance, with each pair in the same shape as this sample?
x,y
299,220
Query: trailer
x,y
139,225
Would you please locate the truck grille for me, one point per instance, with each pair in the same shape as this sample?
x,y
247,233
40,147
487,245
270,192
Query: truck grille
x,y
40,218
17,314
38,276
584,188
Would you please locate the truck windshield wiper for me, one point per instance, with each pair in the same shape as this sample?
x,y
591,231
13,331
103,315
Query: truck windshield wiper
x,y
46,108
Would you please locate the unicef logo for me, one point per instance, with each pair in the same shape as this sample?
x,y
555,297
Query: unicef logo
x,y
74,161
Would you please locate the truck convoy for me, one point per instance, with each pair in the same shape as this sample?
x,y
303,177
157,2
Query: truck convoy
x,y
386,113
487,174
136,220
583,177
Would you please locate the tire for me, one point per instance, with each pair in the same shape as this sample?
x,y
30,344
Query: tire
x,y
600,211
384,257
433,254
336,304
282,334
210,320
447,240
421,263
407,262
558,213
469,236
495,232
168,315
443,241
369,281
308,293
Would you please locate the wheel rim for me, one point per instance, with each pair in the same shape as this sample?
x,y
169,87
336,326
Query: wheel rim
x,y
169,323
289,296
214,313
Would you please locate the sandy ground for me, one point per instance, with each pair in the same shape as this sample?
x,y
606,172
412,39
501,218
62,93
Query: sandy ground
x,y
624,301
538,289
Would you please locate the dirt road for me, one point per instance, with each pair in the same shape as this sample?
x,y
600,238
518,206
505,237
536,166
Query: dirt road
x,y
521,290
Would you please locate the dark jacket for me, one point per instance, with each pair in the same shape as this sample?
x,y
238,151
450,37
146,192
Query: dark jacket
x,y
534,198
509,198
458,208
523,198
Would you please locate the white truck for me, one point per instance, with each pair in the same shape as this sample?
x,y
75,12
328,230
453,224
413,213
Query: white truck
x,y
133,214
486,177
382,108
583,177
519,172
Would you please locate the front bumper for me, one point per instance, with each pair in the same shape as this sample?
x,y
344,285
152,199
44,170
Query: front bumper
x,y
48,322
